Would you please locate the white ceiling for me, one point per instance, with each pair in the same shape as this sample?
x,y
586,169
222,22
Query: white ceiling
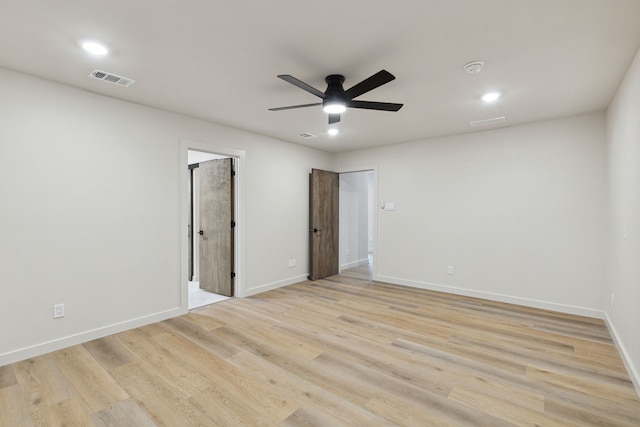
x,y
218,60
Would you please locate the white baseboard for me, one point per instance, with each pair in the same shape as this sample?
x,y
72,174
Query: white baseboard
x,y
358,263
546,305
626,359
275,285
82,337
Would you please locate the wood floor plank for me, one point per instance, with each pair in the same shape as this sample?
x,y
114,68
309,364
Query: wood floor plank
x,y
305,417
507,411
91,382
307,370
227,407
69,412
171,369
7,376
408,413
430,404
549,358
613,390
309,394
109,352
13,407
203,337
199,317
41,382
126,413
344,350
224,375
164,404
614,415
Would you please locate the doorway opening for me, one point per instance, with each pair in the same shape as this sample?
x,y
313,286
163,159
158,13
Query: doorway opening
x,y
211,222
357,224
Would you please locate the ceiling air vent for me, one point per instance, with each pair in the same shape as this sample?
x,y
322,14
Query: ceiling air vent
x,y
307,135
111,78
487,122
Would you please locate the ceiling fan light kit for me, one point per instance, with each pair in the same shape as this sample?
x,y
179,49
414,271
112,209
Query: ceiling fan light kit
x,y
335,100
335,107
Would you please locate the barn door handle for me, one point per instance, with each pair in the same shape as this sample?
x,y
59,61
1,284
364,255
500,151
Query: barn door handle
x,y
201,232
315,230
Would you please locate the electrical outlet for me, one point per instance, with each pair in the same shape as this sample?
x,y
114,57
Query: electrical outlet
x,y
293,262
58,311
450,269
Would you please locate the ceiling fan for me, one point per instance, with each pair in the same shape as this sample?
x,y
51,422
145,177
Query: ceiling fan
x,y
336,100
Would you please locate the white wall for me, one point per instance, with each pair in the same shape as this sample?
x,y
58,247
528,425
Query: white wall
x,y
354,218
91,212
518,212
623,273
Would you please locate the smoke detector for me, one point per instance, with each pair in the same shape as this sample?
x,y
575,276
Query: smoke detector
x,y
474,67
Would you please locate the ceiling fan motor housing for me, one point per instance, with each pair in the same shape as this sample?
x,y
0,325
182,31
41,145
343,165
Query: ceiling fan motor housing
x,y
335,92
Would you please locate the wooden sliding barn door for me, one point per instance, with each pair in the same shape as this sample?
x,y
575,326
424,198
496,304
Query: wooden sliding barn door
x,y
216,226
324,218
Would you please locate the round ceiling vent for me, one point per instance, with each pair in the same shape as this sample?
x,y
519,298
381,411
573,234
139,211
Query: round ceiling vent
x,y
473,67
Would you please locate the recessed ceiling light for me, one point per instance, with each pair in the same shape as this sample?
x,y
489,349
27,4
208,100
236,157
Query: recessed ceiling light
x,y
491,96
95,48
333,131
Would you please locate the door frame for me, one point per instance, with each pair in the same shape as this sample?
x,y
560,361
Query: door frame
x,y
239,207
376,205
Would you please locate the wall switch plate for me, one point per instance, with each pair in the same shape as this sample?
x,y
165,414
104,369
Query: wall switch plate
x,y
450,269
58,311
611,300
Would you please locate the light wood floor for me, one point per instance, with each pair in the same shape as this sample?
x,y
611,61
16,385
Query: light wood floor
x,y
339,351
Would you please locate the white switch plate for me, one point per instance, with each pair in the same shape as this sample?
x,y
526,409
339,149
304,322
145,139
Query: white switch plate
x,y
450,269
58,311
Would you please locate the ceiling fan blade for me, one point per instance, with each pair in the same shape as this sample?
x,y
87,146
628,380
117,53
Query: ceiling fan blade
x,y
370,105
378,79
302,85
334,118
295,106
